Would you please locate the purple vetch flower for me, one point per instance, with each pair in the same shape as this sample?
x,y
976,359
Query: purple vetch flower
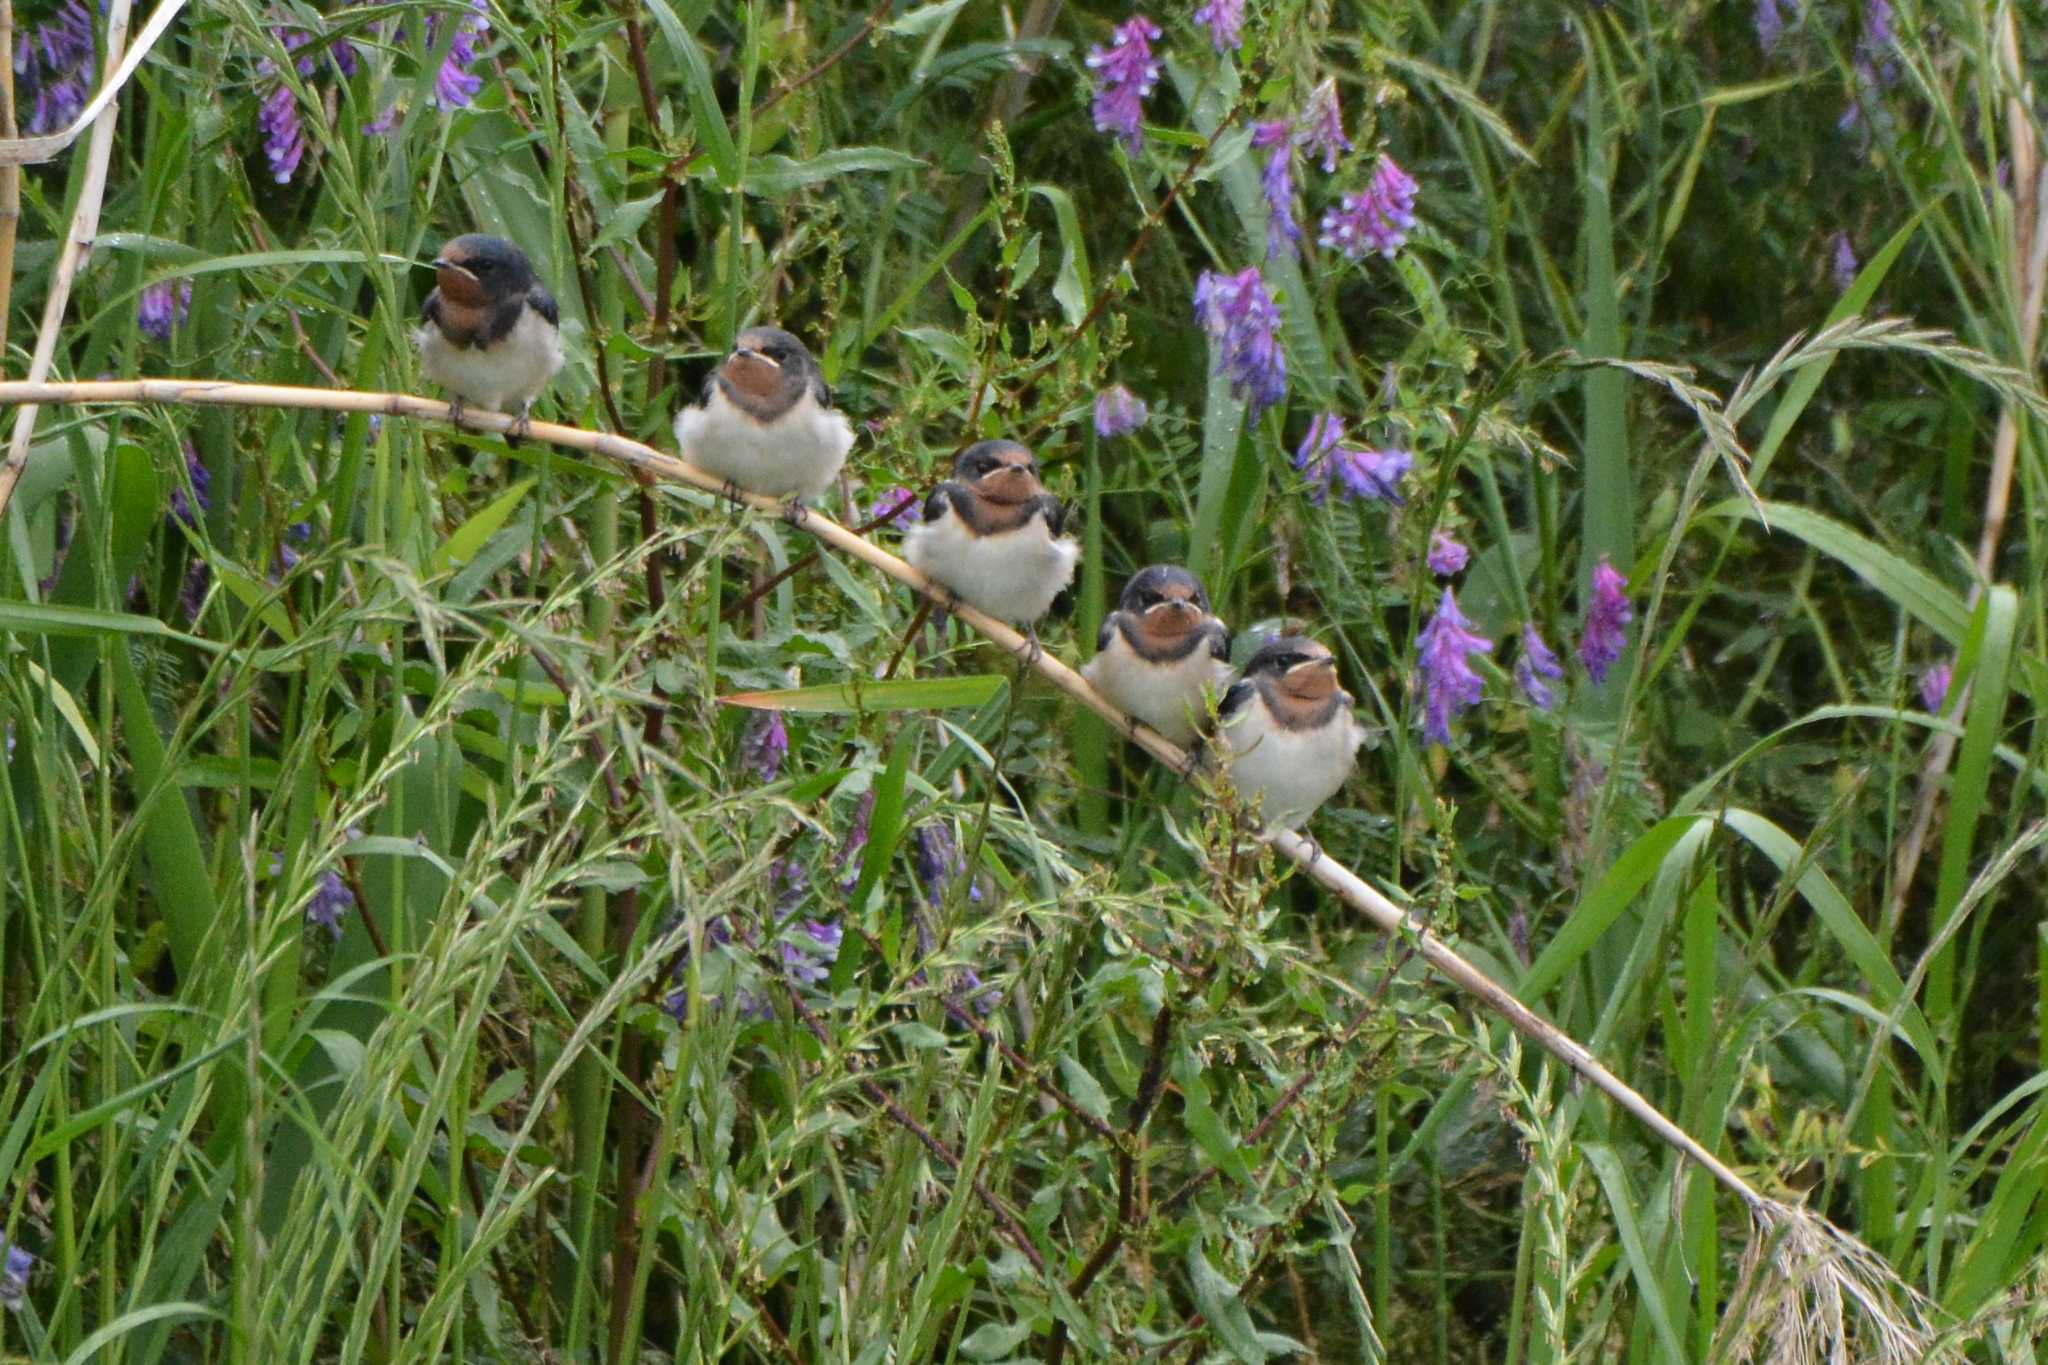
x,y
1363,475
454,86
1537,669
764,744
789,883
1934,685
15,1269
896,508
382,125
1770,25
1225,21
331,900
284,138
53,65
1446,556
1842,264
1282,232
1443,661
202,491
192,593
298,533
163,307
1118,412
1124,75
1321,130
809,951
938,859
1379,219
1606,630
1874,67
1242,319
969,988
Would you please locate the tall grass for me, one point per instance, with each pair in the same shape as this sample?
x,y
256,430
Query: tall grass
x,y
1090,1076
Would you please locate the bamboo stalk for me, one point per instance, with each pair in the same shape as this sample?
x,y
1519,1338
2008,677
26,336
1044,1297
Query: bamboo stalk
x,y
1340,881
85,225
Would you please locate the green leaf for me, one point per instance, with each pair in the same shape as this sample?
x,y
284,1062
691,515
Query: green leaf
x,y
1223,1308
705,114
1621,1203
67,707
1084,1088
1071,287
1205,1125
464,542
772,175
41,618
623,224
862,698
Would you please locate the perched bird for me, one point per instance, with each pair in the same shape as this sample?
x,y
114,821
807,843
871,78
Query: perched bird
x,y
1287,736
991,533
767,423
492,335
1159,649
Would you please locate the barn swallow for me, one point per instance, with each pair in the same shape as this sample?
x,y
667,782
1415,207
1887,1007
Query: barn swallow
x,y
991,534
767,423
1159,649
493,334
1287,735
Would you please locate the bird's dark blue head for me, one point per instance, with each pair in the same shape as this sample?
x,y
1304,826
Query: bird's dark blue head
x,y
476,269
769,371
1163,585
1290,656
1001,471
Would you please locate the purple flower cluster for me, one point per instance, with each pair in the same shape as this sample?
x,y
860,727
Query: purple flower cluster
x,y
1444,651
1362,475
15,1269
1770,25
809,950
1322,126
1446,557
1225,21
182,510
454,84
1242,319
764,744
856,838
1842,263
163,308
1378,219
298,533
1537,669
895,507
1934,684
1607,618
1118,412
192,592
1873,66
284,135
53,69
939,863
331,900
1125,73
1282,232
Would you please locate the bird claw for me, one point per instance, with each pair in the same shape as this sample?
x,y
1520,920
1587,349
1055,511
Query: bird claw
x,y
455,413
1033,650
731,492
521,428
795,513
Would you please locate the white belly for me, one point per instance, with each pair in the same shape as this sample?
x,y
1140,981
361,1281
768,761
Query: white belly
x,y
1167,697
1013,576
1288,773
504,377
799,456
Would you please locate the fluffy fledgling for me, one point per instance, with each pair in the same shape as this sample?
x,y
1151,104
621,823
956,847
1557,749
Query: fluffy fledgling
x,y
491,332
991,534
1287,736
1160,650
767,423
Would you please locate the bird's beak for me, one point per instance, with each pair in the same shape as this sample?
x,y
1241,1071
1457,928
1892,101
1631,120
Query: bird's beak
x,y
1012,480
749,353
1181,606
443,263
1329,662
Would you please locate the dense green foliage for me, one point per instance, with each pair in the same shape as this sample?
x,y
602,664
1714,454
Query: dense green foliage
x,y
1089,1074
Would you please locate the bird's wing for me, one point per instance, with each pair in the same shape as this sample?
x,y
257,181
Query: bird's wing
x,y
1237,698
1107,633
1054,512
945,496
430,311
542,302
1219,641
